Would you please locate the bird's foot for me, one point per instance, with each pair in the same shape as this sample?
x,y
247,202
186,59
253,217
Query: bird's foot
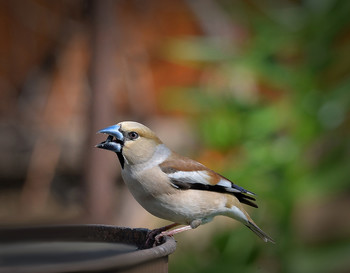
x,y
160,238
151,237
154,237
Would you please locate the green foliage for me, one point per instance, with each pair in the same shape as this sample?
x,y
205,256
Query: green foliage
x,y
280,105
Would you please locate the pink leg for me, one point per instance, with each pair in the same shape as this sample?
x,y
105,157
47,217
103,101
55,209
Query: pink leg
x,y
167,227
156,231
172,232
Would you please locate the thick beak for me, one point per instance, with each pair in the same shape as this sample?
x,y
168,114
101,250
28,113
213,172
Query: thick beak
x,y
114,141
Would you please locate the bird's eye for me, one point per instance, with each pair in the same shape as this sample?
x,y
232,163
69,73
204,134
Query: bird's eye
x,y
133,135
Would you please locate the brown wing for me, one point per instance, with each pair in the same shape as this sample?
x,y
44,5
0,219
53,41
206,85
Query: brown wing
x,y
185,173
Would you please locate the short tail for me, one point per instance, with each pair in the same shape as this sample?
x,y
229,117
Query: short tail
x,y
253,227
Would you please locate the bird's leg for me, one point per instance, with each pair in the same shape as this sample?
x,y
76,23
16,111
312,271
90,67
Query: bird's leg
x,y
156,231
194,224
171,232
151,235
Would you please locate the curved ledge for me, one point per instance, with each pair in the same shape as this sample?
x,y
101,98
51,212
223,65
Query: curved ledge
x,y
86,233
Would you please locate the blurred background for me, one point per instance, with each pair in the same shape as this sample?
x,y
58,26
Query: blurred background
x,y
256,90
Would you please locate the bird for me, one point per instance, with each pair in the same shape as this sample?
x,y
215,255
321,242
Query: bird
x,y
174,187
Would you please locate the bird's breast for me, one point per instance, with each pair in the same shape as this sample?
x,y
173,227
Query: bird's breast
x,y
154,192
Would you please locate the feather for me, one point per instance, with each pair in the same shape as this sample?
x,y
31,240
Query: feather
x,y
185,173
253,227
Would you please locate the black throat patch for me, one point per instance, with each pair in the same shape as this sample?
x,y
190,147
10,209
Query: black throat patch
x,y
121,159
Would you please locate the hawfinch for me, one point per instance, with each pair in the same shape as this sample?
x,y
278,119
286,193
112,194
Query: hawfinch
x,y
174,187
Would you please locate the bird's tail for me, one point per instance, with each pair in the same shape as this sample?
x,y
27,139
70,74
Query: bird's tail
x,y
253,227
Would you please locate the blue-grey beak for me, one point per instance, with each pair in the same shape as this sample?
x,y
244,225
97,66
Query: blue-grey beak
x,y
114,141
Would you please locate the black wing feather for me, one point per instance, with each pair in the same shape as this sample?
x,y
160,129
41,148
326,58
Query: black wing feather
x,y
245,199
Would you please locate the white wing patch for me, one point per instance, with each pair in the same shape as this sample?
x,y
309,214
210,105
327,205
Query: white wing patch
x,y
228,185
193,177
202,177
201,180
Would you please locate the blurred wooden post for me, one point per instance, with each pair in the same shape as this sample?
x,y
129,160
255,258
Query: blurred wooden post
x,y
66,93
99,172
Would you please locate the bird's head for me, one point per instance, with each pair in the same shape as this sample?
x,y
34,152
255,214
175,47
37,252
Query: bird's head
x,y
132,142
